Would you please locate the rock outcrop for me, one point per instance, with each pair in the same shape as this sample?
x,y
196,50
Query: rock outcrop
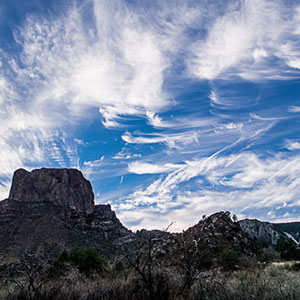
x,y
261,231
66,188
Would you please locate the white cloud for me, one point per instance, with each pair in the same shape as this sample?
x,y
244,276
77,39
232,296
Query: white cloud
x,y
95,163
139,167
175,140
234,125
294,108
239,183
214,98
125,154
291,145
208,136
120,68
240,42
259,53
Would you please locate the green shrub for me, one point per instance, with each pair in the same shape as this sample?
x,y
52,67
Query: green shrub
x,y
87,261
204,259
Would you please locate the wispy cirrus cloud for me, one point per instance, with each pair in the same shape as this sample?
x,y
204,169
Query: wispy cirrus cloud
x,y
172,140
67,66
292,145
147,168
117,76
242,183
243,42
125,154
189,94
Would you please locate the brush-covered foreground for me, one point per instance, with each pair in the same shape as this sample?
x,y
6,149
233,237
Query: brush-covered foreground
x,y
260,281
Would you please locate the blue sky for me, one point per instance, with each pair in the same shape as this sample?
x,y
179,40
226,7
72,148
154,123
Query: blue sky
x,y
173,109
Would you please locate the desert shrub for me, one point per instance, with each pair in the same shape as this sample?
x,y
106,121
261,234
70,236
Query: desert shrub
x,y
87,261
273,282
248,262
270,283
58,267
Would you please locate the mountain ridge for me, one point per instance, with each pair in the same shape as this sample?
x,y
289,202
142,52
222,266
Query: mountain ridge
x,y
49,210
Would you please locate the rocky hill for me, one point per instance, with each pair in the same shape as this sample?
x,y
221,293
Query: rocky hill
x,y
66,188
218,232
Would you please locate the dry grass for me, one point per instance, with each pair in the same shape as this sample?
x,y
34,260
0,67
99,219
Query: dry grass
x,y
261,283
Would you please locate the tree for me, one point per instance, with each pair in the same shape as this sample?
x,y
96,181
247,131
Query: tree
x,y
154,281
234,218
28,275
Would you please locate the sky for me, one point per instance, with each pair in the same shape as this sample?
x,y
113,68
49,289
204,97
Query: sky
x,y
172,109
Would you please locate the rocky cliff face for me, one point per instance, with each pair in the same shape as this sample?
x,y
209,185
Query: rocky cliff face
x,y
261,231
66,188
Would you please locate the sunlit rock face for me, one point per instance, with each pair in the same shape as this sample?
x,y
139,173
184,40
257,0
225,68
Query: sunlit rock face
x,y
262,231
66,188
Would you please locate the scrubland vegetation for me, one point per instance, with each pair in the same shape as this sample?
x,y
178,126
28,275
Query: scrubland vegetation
x,y
82,274
159,268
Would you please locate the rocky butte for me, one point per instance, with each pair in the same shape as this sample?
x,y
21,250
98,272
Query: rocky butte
x,y
66,188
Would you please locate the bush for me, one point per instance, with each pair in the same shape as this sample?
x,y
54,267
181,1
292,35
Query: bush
x,y
205,260
119,269
272,282
87,261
